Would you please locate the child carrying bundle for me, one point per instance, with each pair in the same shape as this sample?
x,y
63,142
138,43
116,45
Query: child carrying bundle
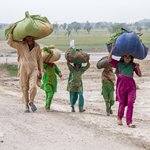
x,y
49,80
108,79
75,85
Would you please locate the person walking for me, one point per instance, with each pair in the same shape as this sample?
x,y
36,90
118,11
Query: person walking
x,y
108,79
30,67
125,87
49,82
75,86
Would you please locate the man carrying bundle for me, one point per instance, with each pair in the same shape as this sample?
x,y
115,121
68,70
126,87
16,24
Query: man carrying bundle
x,y
30,67
21,36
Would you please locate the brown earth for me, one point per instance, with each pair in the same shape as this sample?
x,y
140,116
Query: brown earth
x,y
62,130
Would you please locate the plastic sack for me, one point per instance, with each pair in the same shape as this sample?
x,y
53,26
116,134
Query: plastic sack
x,y
76,56
103,63
33,25
129,43
53,53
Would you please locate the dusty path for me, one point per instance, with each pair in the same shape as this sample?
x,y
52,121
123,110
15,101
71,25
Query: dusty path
x,y
60,130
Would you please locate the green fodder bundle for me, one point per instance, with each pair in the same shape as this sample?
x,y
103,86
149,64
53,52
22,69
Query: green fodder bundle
x,y
76,55
33,25
50,54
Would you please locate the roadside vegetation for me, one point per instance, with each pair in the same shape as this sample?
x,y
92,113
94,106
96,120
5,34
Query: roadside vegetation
x,y
89,36
11,69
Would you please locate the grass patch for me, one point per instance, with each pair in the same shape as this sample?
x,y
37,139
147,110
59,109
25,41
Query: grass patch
x,y
95,40
12,69
2,34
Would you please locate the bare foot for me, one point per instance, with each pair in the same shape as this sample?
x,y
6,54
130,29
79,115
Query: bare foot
x,y
81,110
131,125
108,114
120,122
72,110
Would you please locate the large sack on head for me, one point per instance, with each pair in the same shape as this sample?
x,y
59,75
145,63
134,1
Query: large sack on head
x,y
129,43
56,55
76,55
46,51
33,25
53,53
103,63
114,37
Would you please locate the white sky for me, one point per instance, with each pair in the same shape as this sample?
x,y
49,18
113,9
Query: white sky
x,y
60,11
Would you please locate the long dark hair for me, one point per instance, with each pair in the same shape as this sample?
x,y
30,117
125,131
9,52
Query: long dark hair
x,y
122,59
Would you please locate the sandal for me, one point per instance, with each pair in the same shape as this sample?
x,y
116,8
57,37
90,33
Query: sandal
x,y
111,112
81,110
47,109
33,107
27,110
120,122
72,110
131,125
108,114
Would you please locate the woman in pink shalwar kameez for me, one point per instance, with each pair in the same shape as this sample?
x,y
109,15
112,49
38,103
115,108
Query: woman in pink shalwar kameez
x,y
125,87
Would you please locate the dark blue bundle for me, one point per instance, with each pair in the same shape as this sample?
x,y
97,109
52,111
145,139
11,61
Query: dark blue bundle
x,y
129,43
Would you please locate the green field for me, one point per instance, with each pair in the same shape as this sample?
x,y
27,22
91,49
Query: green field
x,y
12,69
2,37
94,41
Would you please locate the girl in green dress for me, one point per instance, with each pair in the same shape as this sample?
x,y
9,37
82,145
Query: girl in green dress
x,y
108,79
75,86
49,82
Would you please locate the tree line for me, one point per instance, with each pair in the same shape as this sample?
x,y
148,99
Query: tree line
x,y
88,26
111,27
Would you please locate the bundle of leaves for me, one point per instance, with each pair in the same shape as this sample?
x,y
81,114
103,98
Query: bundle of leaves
x,y
115,36
47,49
76,55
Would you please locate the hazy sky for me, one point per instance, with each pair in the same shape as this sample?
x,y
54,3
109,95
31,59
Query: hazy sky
x,y
60,11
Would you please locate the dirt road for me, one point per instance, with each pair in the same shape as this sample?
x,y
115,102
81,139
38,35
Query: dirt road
x,y
62,130
59,130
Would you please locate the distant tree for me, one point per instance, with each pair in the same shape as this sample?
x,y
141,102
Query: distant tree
x,y
109,28
3,25
56,27
118,26
101,25
88,27
147,25
64,26
68,30
138,26
76,26
97,25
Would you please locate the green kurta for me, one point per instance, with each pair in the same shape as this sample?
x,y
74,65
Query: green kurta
x,y
126,69
49,78
75,78
108,79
